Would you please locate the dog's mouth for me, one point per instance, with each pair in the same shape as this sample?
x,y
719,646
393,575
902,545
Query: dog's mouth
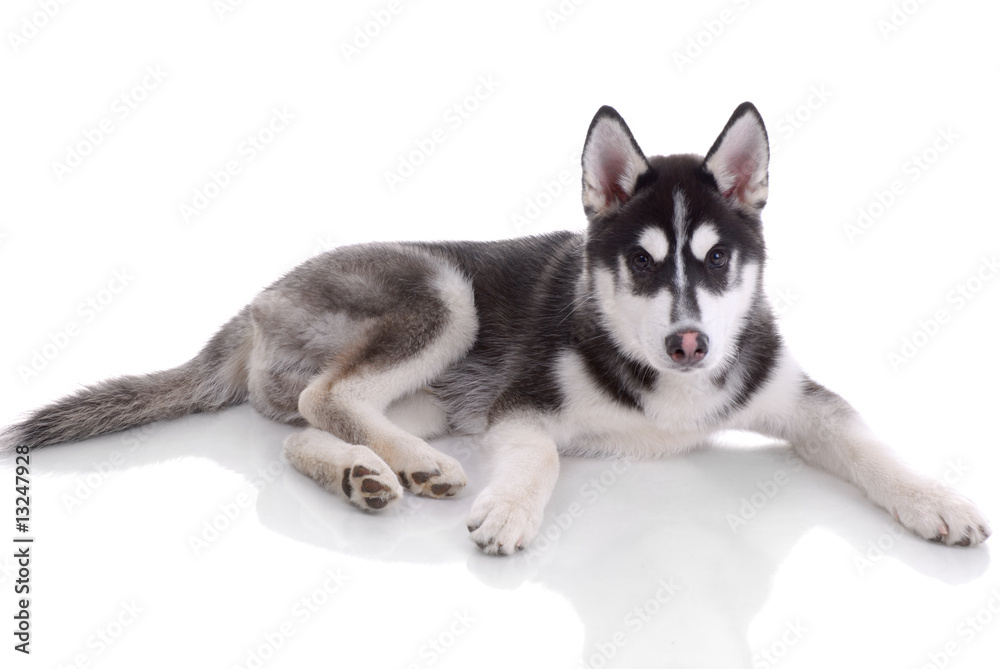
x,y
663,363
688,369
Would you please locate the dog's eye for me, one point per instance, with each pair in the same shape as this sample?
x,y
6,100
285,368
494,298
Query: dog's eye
x,y
717,258
641,262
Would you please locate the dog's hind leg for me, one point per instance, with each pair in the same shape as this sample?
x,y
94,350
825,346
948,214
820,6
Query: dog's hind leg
x,y
401,352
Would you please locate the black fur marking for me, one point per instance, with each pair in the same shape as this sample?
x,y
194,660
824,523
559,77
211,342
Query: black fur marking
x,y
622,378
617,233
685,303
526,294
531,311
820,393
757,348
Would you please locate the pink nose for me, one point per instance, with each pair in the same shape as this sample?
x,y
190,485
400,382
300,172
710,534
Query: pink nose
x,y
688,347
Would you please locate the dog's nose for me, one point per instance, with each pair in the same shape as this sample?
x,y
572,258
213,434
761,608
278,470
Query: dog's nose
x,y
688,347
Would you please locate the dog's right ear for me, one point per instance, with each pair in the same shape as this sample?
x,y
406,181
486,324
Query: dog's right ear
x,y
738,160
612,163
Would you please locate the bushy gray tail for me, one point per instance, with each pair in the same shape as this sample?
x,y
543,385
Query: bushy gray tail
x,y
214,379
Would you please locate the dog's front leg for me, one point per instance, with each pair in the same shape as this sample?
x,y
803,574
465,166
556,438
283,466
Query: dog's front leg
x,y
525,464
826,432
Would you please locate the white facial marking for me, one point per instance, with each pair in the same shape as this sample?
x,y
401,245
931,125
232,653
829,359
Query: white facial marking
x,y
638,323
654,241
703,239
722,316
622,310
680,227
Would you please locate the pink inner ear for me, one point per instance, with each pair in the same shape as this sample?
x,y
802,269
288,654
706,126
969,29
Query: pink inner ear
x,y
611,172
743,166
739,161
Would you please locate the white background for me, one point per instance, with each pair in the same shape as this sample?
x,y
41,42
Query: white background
x,y
817,577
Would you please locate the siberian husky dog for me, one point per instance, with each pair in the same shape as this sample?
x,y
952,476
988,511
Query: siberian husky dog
x,y
640,337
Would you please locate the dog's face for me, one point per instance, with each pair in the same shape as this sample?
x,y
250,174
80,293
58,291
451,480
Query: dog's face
x,y
674,245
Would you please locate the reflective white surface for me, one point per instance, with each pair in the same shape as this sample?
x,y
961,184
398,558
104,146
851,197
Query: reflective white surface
x,y
190,544
202,541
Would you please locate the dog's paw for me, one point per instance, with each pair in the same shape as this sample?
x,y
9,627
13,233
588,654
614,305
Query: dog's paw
x,y
501,525
369,489
433,475
356,471
941,515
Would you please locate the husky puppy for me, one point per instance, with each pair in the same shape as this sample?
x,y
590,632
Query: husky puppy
x,y
640,337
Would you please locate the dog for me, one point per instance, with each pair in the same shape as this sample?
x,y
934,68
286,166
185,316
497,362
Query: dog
x,y
641,336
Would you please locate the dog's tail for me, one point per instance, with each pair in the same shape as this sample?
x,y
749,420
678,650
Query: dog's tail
x,y
216,378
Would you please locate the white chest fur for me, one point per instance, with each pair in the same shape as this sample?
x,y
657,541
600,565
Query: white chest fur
x,y
676,415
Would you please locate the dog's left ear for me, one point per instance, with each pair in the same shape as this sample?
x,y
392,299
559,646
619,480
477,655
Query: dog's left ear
x,y
738,160
612,163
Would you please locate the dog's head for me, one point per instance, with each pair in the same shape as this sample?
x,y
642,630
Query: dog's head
x,y
674,244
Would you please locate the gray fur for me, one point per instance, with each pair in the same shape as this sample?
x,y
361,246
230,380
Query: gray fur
x,y
358,308
214,379
545,344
